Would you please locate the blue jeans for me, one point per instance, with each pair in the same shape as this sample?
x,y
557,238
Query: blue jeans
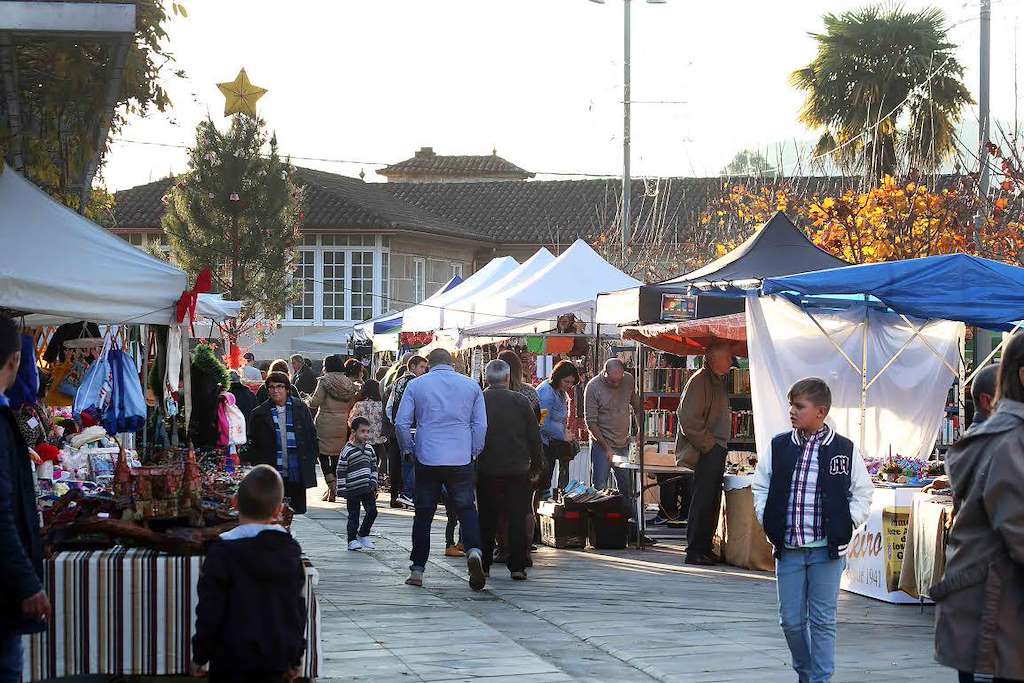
x,y
460,485
808,585
409,477
601,468
10,658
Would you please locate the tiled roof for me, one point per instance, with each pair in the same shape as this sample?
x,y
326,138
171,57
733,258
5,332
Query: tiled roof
x,y
560,211
332,202
425,162
516,212
141,206
337,201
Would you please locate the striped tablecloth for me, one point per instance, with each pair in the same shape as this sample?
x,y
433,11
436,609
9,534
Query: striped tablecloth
x,y
130,611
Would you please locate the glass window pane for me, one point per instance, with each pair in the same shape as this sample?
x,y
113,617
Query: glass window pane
x,y
333,299
305,275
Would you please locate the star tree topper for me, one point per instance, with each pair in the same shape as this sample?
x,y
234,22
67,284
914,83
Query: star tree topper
x,y
240,95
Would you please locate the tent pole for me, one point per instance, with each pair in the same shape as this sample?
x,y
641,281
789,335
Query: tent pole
x,y
828,336
864,376
144,333
896,355
641,420
931,348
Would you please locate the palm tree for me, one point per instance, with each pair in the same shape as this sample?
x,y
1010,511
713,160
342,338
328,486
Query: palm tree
x,y
885,82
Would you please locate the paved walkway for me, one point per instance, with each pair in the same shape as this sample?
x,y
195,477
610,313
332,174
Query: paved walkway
x,y
609,616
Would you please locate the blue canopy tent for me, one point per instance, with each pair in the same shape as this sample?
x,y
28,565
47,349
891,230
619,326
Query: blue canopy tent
x,y
956,287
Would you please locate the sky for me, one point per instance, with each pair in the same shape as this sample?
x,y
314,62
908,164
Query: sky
x,y
371,81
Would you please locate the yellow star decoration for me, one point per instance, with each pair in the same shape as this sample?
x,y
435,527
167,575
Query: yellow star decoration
x,y
240,95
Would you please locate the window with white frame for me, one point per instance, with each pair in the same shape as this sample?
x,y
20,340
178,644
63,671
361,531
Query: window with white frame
x,y
419,279
456,269
146,240
344,278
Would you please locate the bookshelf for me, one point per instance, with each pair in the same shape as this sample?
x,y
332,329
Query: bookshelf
x,y
662,382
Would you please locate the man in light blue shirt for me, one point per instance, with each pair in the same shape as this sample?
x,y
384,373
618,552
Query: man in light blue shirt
x,y
448,412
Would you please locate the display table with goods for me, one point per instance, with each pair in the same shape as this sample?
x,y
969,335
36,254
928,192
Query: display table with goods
x,y
875,558
924,558
131,611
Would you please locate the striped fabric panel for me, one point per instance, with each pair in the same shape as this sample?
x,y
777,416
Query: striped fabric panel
x,y
130,611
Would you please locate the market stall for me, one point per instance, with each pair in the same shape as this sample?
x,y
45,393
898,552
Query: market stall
x,y
903,321
130,612
121,518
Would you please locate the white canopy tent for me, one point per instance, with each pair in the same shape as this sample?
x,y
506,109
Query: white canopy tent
x,y
568,284
473,308
334,340
428,317
58,263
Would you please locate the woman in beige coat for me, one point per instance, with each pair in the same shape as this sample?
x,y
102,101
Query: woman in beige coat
x,y
980,599
332,400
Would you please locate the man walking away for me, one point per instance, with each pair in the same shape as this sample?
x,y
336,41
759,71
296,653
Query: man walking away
x,y
512,455
451,425
607,401
705,424
24,606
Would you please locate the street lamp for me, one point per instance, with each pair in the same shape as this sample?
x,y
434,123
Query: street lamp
x,y
626,178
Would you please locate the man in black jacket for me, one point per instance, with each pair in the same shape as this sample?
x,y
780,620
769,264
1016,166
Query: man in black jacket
x,y
24,606
281,434
511,457
302,375
251,616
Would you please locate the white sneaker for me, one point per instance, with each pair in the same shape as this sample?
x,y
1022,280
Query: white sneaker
x,y
406,501
367,543
355,545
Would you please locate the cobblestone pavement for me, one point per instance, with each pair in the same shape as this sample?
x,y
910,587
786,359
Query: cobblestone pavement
x,y
593,616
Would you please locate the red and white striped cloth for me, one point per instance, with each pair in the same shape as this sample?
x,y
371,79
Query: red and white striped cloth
x,y
130,611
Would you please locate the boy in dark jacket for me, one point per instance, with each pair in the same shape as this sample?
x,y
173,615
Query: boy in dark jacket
x,y
251,616
24,606
811,490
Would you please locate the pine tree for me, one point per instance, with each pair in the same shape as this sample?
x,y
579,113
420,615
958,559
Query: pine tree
x,y
237,212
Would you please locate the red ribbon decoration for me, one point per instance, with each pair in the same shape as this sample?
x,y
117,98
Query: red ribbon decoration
x,y
187,302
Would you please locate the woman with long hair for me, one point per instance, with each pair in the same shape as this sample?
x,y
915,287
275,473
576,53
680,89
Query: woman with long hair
x,y
980,600
368,405
554,398
332,400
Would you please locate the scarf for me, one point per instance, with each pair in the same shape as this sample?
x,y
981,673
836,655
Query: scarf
x,y
287,462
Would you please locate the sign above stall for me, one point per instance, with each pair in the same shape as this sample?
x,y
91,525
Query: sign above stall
x,y
678,307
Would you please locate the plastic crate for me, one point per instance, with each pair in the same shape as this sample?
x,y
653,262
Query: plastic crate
x,y
563,526
607,525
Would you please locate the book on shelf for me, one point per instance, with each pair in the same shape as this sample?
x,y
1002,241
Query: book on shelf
x,y
742,424
740,381
660,424
665,380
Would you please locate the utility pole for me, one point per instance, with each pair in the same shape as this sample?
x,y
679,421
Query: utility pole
x,y
983,116
626,179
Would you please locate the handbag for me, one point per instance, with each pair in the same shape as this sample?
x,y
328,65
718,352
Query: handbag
x,y
75,375
231,421
95,388
55,398
126,409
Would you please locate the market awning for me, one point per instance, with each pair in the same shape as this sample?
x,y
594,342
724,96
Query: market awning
x,y
969,289
59,263
693,337
777,248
